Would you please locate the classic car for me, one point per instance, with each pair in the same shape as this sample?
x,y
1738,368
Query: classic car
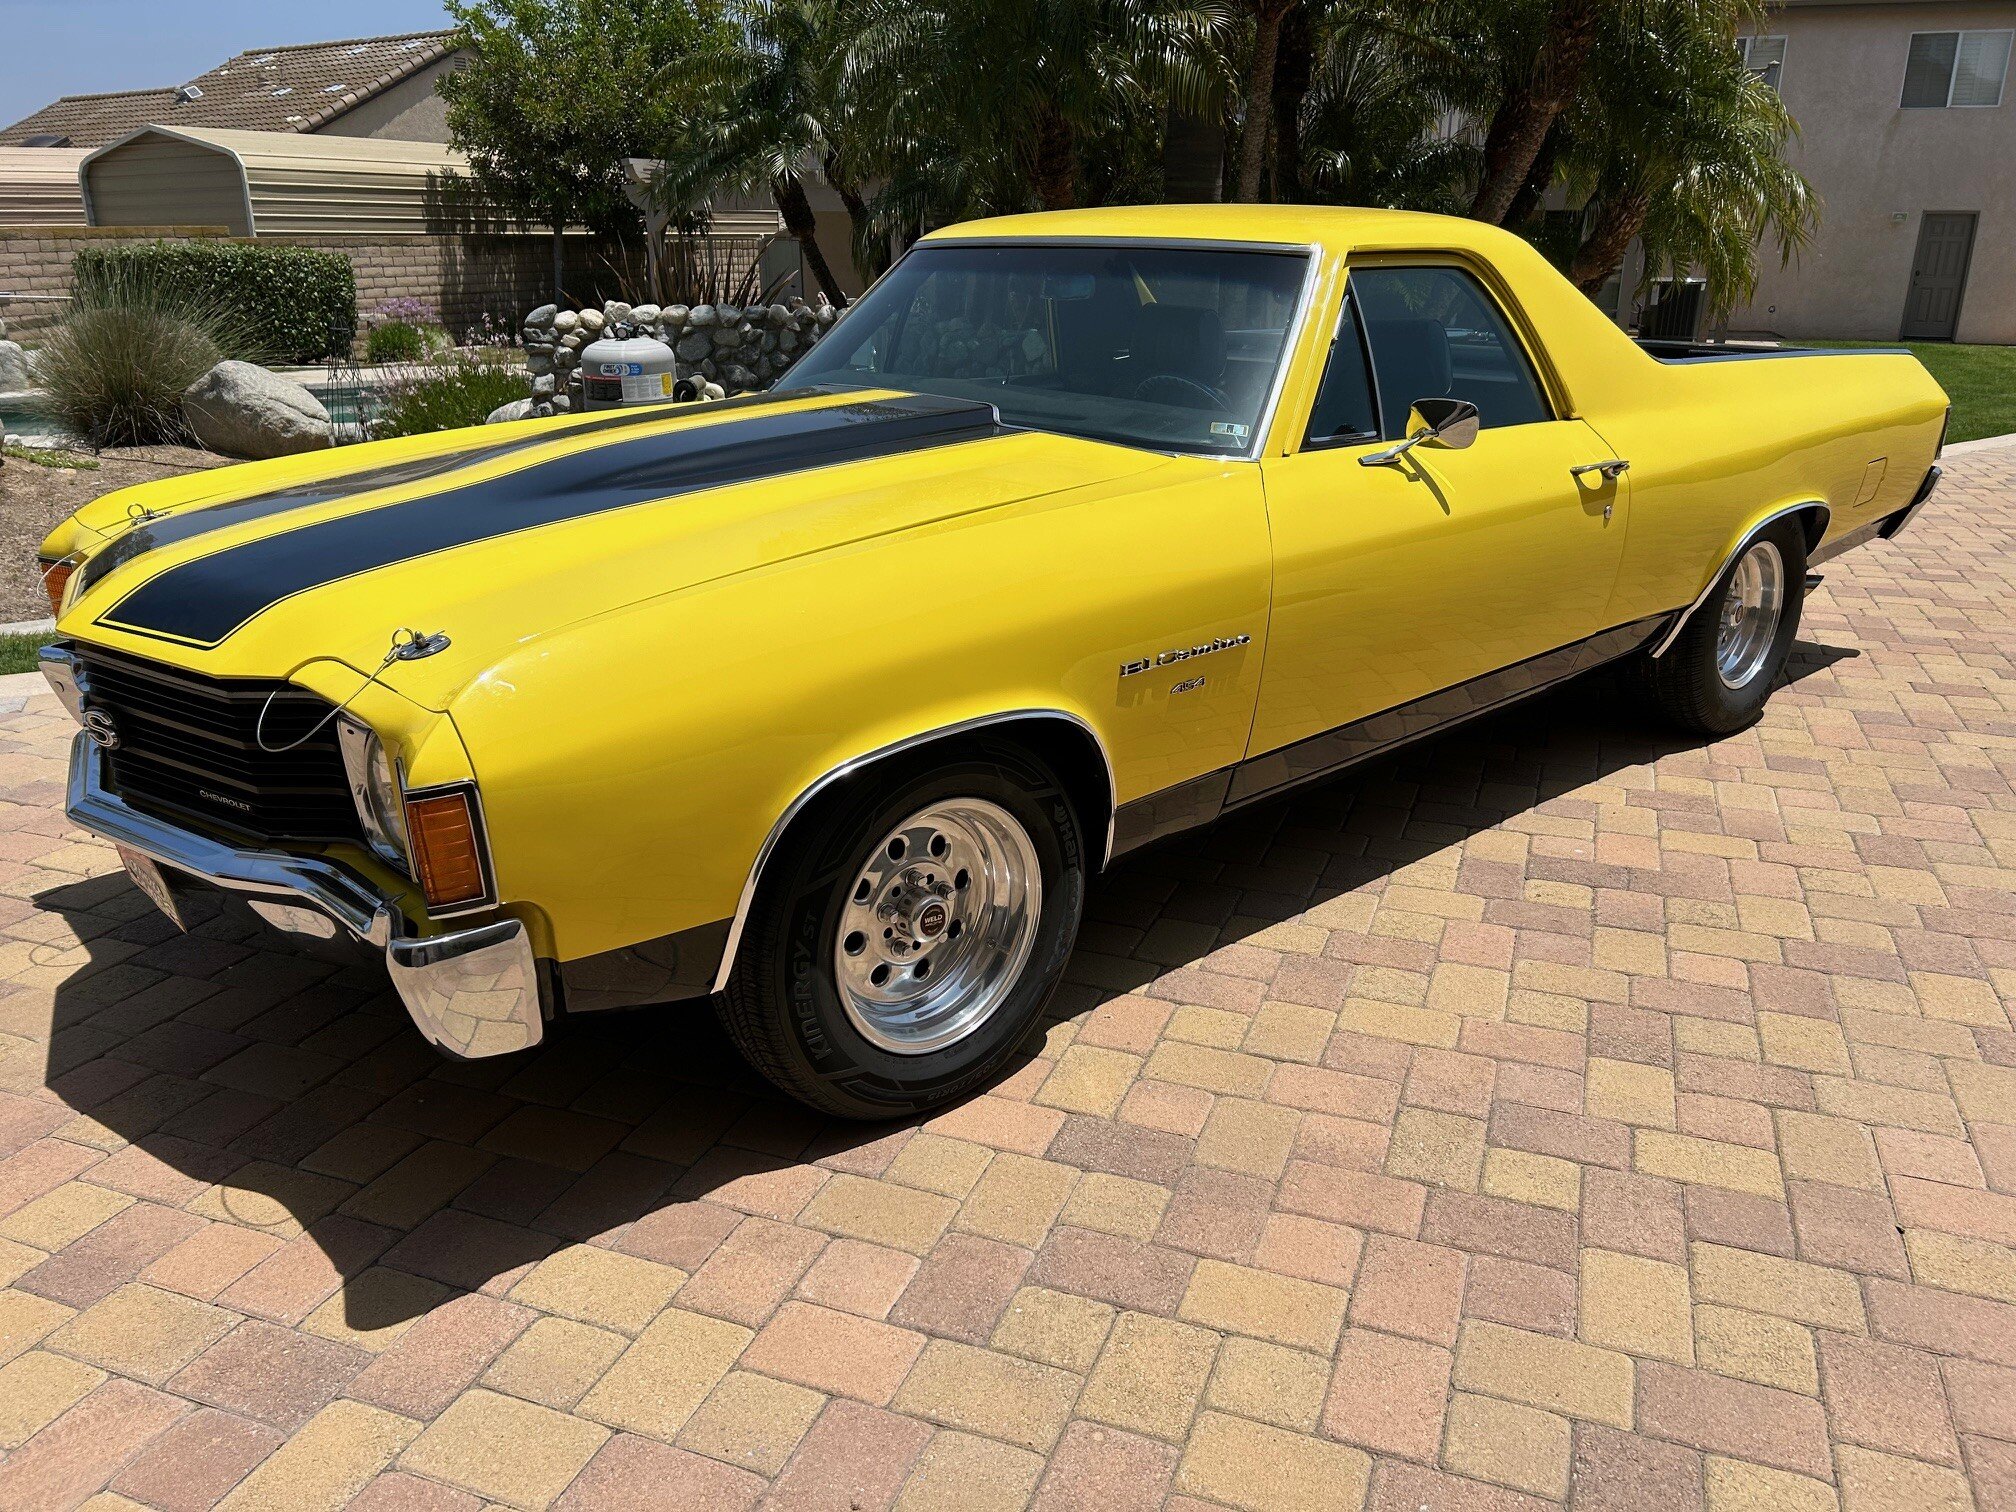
x,y
1078,530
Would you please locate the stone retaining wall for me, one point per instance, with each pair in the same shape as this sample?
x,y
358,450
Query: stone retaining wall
x,y
729,349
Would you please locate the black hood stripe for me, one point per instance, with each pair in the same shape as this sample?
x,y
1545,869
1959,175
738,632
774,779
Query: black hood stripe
x,y
200,602
202,519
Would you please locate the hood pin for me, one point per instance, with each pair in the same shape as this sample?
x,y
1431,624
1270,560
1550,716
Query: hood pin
x,y
416,646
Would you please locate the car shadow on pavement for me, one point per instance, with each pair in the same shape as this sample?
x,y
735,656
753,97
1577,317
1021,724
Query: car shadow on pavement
x,y
231,1078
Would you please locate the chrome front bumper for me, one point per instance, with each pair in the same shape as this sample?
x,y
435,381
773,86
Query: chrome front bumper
x,y
472,992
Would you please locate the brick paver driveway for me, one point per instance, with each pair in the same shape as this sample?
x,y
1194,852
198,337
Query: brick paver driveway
x,y
1551,1113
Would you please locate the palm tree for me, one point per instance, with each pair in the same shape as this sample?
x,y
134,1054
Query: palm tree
x,y
766,107
1541,49
1370,126
1268,17
998,104
1680,144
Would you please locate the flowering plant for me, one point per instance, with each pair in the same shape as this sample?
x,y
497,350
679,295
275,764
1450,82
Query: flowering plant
x,y
405,310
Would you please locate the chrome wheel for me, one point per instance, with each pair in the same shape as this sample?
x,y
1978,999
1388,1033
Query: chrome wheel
x,y
938,925
1751,610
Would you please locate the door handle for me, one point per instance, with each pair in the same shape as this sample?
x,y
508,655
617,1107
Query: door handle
x,y
1612,470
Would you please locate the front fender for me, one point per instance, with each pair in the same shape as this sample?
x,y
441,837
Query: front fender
x,y
635,767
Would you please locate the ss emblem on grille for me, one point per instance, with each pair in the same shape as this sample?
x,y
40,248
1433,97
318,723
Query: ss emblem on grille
x,y
102,729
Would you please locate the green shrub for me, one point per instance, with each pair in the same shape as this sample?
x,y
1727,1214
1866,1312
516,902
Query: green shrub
x,y
297,305
453,392
395,341
115,367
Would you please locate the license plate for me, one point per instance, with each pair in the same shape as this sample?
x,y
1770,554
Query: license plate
x,y
151,880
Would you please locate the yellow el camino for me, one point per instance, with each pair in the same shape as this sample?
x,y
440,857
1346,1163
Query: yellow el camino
x,y
1078,530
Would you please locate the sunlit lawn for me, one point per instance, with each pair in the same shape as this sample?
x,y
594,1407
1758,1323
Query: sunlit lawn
x,y
17,652
1980,379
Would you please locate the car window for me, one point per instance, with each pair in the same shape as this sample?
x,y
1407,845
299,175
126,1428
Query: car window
x,y
1169,347
1345,409
1436,334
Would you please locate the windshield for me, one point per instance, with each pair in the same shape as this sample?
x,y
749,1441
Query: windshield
x,y
1173,348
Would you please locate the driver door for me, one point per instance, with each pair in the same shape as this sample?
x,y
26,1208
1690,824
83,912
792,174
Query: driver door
x,y
1399,581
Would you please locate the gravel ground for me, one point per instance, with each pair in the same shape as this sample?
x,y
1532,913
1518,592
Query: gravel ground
x,y
33,499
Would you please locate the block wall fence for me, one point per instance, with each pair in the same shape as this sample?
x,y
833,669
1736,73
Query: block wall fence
x,y
464,276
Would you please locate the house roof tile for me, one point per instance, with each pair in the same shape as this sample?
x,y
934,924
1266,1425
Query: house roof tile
x,y
299,88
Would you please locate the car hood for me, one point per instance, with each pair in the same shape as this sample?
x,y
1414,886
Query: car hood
x,y
495,538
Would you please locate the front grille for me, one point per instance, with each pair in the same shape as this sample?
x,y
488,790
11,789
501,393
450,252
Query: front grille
x,y
186,747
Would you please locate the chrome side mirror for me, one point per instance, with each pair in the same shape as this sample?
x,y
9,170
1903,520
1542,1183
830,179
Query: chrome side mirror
x,y
1446,422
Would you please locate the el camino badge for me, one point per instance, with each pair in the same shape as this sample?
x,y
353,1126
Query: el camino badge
x,y
1182,654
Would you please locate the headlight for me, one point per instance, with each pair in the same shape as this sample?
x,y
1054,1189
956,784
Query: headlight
x,y
374,785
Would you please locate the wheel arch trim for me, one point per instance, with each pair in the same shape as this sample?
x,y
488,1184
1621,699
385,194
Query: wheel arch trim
x,y
855,764
1743,543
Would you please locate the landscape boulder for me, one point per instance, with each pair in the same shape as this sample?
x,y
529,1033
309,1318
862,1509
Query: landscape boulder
x,y
242,410
13,368
517,409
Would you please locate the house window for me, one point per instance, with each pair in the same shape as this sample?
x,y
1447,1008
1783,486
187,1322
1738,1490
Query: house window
x,y
1955,69
1763,56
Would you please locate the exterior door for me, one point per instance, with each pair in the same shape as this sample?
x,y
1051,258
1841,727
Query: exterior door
x,y
1398,581
1938,277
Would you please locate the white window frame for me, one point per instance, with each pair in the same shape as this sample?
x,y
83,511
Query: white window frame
x,y
1960,36
1744,44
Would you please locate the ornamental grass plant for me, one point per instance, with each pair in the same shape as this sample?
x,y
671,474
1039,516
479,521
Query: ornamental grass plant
x,y
115,368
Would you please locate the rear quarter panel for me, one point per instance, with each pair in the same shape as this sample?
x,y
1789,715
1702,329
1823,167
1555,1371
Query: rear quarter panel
x,y
1716,446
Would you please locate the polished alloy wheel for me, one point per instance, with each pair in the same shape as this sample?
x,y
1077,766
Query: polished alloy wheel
x,y
938,925
1751,609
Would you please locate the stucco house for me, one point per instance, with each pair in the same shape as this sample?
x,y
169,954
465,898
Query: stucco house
x,y
1907,128
337,145
362,86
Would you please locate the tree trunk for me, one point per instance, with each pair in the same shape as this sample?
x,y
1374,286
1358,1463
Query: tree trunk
x,y
559,265
803,228
1539,178
1056,168
870,256
1193,159
1520,124
1602,251
1293,64
1259,99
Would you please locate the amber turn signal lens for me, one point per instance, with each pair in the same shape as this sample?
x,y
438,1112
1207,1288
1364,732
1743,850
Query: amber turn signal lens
x,y
56,577
442,830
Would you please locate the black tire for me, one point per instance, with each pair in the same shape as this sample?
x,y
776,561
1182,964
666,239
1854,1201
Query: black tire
x,y
783,1007
1686,687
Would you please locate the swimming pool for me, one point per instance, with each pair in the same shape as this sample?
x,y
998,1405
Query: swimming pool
x,y
25,420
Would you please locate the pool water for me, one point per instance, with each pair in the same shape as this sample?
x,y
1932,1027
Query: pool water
x,y
349,406
24,418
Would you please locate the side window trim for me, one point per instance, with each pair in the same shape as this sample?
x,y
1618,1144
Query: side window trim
x,y
1347,311
1546,383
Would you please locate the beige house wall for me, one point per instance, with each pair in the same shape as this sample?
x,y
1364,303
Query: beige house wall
x,y
1879,169
409,111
